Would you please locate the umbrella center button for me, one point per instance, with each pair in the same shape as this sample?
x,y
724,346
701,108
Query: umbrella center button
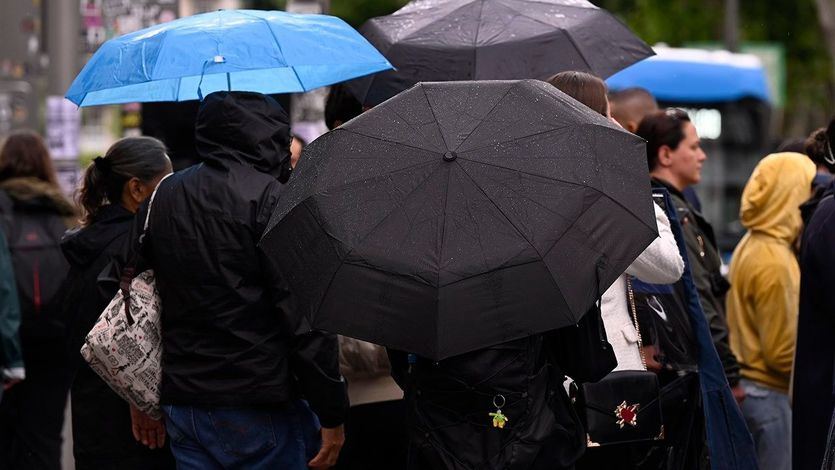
x,y
450,156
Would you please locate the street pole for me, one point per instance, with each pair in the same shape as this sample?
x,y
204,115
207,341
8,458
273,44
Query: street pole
x,y
62,32
62,118
731,29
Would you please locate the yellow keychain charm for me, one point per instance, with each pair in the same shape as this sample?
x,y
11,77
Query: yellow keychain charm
x,y
499,418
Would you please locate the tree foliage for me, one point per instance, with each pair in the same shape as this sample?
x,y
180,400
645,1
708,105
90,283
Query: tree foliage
x,y
792,23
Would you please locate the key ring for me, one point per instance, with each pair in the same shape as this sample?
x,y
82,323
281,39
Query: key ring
x,y
496,401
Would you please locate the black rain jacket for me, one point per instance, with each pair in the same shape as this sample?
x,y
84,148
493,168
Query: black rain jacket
x,y
231,336
102,436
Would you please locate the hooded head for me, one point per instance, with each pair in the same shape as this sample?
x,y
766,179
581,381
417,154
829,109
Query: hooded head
x,y
249,128
781,182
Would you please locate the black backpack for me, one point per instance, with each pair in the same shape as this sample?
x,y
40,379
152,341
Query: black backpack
x,y
34,237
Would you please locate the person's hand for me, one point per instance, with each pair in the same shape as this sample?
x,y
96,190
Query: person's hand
x,y
739,393
332,441
650,357
149,431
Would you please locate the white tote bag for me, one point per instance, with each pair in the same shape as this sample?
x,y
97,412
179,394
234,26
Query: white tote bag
x,y
125,345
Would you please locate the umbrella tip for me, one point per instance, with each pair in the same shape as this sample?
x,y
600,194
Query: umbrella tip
x,y
450,156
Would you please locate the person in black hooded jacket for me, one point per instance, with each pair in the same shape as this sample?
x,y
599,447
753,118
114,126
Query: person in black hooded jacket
x,y
113,188
241,372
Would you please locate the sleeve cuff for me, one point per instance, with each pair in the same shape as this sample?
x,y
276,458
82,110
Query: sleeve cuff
x,y
14,373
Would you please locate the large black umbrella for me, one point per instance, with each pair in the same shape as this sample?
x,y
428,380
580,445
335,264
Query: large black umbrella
x,y
429,40
459,215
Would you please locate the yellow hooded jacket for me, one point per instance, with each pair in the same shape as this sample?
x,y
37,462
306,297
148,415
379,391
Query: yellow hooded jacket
x,y
764,274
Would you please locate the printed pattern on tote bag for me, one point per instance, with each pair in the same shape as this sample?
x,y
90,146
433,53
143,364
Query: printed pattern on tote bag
x,y
125,354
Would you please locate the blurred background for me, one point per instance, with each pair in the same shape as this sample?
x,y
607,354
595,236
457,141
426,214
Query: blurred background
x,y
44,43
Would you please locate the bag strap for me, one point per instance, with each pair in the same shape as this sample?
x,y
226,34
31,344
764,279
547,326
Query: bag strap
x,y
129,272
631,295
148,214
601,331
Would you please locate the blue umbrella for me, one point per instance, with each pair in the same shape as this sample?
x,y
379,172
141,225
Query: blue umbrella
x,y
695,76
242,50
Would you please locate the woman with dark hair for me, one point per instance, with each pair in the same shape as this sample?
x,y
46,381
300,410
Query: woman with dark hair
x,y
817,148
113,188
675,161
25,155
33,216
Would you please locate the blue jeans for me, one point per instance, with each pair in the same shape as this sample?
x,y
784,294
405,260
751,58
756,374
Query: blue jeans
x,y
218,438
769,418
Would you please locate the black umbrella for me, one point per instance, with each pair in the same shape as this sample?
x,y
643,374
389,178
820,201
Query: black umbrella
x,y
459,215
429,40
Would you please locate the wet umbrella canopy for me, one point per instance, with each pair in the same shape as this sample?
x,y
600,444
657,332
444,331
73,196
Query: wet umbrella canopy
x,y
430,40
459,215
235,50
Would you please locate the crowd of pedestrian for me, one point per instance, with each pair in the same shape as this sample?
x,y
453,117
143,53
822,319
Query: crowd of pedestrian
x,y
246,383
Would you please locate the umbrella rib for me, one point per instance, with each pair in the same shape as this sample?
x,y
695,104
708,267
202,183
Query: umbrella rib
x,y
561,181
559,28
431,23
524,172
359,242
538,20
437,123
475,44
577,48
373,178
415,129
385,218
275,39
486,115
388,141
556,286
156,63
499,209
515,139
440,246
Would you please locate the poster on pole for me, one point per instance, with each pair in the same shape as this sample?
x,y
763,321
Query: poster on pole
x,y
63,124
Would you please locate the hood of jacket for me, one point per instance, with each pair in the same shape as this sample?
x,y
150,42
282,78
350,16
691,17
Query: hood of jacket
x,y
772,197
83,245
248,128
36,193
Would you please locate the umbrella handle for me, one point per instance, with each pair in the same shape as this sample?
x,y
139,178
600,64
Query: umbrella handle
x,y
218,59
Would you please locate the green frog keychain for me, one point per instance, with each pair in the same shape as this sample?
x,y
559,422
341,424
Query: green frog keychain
x,y
499,418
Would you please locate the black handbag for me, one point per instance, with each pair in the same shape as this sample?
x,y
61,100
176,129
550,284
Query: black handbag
x,y
624,406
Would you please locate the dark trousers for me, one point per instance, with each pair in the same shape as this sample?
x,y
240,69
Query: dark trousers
x,y
375,437
32,412
101,428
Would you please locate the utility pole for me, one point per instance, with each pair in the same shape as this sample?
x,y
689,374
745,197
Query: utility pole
x,y
731,29
63,119
62,33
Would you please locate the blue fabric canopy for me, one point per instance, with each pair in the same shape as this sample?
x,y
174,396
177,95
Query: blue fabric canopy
x,y
695,76
238,50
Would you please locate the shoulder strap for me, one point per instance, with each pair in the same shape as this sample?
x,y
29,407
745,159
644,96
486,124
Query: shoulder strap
x,y
148,213
634,310
129,271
